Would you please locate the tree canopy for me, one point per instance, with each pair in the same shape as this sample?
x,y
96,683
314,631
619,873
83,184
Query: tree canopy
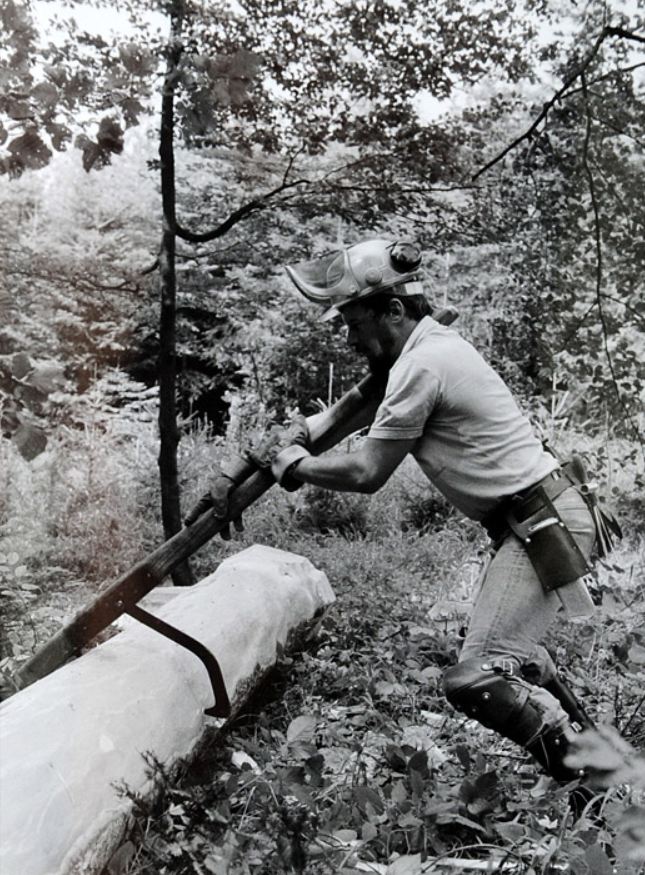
x,y
306,125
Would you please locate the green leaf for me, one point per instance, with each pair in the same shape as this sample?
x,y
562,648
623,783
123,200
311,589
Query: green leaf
x,y
60,135
409,864
110,135
598,861
510,831
30,440
395,758
47,378
18,109
132,109
31,151
137,59
121,858
56,74
366,795
398,793
20,365
245,64
216,865
418,762
92,153
636,654
45,94
408,820
368,832
302,729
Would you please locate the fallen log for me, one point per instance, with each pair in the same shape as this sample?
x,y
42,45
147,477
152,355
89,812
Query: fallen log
x,y
69,741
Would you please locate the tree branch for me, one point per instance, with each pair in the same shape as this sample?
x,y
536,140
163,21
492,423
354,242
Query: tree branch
x,y
254,206
620,131
606,76
430,190
635,313
151,268
577,73
625,34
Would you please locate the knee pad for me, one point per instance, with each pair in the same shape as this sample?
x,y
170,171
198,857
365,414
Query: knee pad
x,y
482,690
478,688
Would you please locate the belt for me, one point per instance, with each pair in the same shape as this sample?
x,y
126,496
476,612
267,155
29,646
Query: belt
x,y
525,502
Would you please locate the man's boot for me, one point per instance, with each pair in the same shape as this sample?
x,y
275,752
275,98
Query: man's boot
x,y
543,672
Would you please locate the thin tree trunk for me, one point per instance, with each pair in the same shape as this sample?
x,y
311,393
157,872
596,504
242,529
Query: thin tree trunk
x,y
168,430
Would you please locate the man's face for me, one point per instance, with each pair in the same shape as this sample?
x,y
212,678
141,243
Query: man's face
x,y
370,335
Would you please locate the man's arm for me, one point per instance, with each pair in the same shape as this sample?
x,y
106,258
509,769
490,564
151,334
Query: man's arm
x,y
349,424
363,470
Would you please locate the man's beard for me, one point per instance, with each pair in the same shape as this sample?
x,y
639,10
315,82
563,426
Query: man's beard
x,y
379,367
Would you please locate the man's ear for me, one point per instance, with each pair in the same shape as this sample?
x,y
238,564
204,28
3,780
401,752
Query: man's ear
x,y
396,310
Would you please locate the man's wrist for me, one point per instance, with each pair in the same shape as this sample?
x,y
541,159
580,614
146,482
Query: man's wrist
x,y
235,469
287,460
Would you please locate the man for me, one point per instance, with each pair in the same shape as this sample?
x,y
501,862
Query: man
x,y
444,405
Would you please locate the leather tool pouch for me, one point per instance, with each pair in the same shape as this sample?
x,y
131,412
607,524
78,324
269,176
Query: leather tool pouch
x,y
553,552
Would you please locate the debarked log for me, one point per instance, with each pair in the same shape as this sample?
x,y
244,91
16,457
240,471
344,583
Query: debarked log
x,y
70,742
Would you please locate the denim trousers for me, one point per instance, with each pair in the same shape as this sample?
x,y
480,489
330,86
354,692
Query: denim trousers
x,y
512,611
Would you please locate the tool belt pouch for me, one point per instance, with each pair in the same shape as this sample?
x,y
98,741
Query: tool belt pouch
x,y
549,544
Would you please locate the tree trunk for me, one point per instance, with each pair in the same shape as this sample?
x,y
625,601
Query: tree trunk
x,y
168,430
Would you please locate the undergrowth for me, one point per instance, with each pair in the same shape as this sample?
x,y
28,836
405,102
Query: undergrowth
x,y
352,761
349,760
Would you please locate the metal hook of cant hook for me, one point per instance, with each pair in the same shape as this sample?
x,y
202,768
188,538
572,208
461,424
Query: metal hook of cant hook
x,y
222,705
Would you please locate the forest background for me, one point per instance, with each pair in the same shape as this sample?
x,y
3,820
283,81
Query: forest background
x,y
160,163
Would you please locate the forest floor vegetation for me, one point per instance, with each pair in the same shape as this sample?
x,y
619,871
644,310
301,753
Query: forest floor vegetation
x,y
348,759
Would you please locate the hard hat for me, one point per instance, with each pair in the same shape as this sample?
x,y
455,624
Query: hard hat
x,y
361,270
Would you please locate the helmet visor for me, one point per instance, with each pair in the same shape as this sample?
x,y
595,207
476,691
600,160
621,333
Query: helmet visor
x,y
325,279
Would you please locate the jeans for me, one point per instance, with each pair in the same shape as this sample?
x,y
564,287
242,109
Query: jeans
x,y
511,614
512,611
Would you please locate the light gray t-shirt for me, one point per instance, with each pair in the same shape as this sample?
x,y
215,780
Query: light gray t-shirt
x,y
474,444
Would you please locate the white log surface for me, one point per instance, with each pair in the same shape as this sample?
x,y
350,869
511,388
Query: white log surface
x,y
69,740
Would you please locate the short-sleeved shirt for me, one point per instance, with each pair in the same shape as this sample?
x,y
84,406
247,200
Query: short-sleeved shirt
x,y
473,442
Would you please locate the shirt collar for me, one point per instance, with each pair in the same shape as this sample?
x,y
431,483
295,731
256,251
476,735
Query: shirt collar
x,y
420,330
